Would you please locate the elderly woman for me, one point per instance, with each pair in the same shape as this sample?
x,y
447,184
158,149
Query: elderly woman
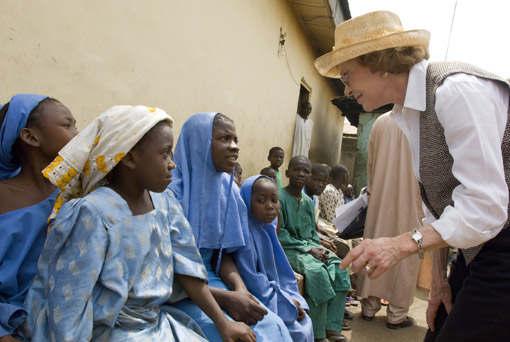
x,y
456,118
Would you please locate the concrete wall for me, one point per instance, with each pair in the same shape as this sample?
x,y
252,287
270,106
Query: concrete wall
x,y
348,156
182,56
366,121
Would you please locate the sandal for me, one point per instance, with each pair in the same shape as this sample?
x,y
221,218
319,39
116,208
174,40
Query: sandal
x,y
337,337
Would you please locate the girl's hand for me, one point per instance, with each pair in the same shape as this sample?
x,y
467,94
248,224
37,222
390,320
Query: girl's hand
x,y
8,338
234,331
319,254
243,307
301,312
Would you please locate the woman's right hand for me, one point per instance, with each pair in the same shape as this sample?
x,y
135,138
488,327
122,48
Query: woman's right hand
x,y
243,307
319,254
235,331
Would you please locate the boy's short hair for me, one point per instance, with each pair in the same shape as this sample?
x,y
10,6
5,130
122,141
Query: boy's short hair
x,y
266,170
338,171
299,157
274,149
319,168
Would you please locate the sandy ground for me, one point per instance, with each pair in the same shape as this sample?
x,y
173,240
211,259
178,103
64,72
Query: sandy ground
x,y
375,330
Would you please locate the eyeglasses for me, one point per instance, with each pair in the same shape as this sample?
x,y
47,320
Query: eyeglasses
x,y
345,79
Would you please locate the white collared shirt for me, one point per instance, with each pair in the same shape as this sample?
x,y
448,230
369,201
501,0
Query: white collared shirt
x,y
473,113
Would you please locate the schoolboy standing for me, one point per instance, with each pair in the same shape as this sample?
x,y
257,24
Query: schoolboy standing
x,y
326,285
275,157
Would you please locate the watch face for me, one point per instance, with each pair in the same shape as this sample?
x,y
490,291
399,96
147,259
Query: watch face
x,y
417,236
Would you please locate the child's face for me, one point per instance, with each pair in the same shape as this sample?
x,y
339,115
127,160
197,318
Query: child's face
x,y
317,183
56,128
276,159
299,173
264,200
238,176
224,149
154,159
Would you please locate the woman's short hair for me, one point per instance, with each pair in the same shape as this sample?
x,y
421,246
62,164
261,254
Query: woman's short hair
x,y
394,60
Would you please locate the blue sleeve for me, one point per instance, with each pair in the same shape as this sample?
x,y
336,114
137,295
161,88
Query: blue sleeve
x,y
70,265
186,257
11,316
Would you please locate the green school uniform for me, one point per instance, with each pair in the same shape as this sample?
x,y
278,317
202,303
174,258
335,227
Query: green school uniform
x,y
326,285
279,183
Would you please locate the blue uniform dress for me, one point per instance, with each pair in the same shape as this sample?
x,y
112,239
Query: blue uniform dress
x,y
106,275
22,232
268,274
219,218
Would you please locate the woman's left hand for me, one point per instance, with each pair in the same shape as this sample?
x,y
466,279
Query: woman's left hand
x,y
374,257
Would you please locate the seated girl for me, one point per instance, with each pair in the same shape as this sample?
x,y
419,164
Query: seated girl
x,y
108,267
205,154
34,129
264,266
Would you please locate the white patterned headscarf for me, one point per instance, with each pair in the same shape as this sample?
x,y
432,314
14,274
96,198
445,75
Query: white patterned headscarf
x,y
82,165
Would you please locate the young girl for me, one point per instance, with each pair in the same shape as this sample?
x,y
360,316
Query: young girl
x,y
264,266
108,266
34,129
205,155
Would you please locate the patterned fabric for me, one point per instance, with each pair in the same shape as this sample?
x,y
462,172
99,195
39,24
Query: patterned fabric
x,y
437,180
106,275
268,274
84,162
20,107
330,199
23,234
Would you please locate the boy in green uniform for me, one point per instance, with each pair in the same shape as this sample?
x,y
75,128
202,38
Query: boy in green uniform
x,y
275,157
326,285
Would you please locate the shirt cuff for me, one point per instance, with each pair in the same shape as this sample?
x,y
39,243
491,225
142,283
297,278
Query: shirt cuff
x,y
456,233
11,317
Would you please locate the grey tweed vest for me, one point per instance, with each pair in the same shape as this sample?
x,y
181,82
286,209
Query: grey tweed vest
x,y
437,180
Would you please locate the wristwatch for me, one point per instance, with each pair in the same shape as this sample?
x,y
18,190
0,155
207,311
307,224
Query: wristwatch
x,y
417,238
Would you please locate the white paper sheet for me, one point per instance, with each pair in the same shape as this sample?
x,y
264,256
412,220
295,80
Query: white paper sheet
x,y
345,214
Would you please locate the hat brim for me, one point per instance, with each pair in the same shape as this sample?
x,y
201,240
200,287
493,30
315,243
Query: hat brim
x,y
326,64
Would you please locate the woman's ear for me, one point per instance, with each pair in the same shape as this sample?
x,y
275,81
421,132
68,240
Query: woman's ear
x,y
129,160
28,136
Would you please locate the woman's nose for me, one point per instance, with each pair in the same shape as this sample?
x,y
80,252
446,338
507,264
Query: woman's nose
x,y
347,90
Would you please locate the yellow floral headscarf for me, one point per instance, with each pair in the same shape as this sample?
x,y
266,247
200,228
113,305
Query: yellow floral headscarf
x,y
81,166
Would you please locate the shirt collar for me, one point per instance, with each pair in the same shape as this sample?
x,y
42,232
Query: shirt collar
x,y
416,91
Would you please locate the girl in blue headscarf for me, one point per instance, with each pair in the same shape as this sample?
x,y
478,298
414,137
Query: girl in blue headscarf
x,y
264,266
34,128
206,154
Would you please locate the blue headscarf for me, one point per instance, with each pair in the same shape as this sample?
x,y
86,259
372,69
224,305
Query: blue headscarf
x,y
264,267
212,205
20,107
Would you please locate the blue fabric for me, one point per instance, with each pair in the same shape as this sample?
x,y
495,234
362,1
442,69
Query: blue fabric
x,y
16,118
23,234
313,197
270,328
209,199
219,218
268,274
106,275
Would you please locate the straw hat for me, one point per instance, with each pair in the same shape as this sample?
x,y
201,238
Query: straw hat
x,y
371,32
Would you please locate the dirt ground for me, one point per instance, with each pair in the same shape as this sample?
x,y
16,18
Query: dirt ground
x,y
375,330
